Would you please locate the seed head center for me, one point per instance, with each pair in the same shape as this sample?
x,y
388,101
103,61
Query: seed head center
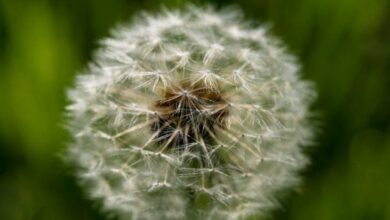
x,y
188,114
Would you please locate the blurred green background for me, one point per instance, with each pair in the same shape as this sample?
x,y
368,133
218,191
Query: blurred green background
x,y
344,46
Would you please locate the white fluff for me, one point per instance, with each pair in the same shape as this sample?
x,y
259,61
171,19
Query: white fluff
x,y
258,154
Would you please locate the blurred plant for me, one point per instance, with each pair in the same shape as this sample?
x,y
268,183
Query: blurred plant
x,y
190,114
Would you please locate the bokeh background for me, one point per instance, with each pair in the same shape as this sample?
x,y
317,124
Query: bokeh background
x,y
344,46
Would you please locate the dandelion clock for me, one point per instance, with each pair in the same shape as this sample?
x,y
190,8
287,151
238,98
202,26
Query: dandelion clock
x,y
189,114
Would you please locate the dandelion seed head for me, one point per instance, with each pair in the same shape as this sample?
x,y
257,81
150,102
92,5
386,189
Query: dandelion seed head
x,y
190,114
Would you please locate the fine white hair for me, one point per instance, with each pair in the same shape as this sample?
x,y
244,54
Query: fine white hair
x,y
242,167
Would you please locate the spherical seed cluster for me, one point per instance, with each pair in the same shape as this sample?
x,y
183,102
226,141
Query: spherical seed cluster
x,y
189,114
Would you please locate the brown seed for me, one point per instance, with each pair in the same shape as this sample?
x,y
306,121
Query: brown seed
x,y
189,113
